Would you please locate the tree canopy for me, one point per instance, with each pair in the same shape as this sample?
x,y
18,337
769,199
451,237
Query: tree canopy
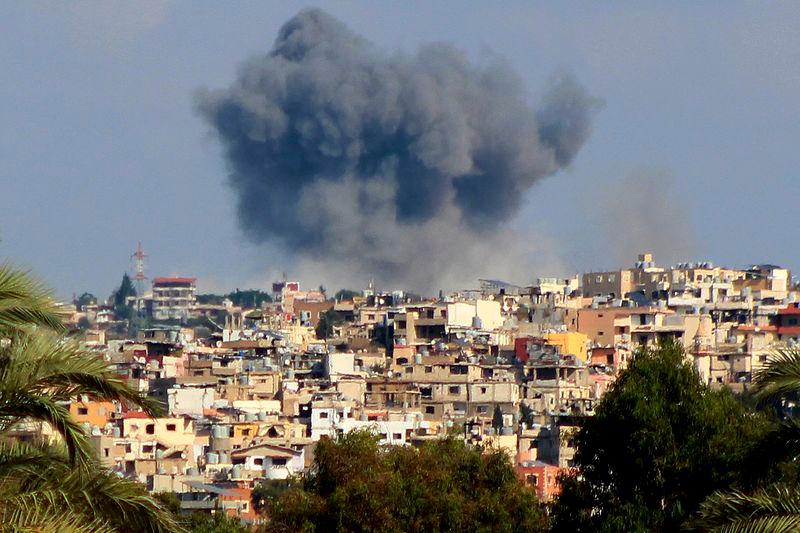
x,y
87,298
120,298
444,485
327,320
345,295
660,442
240,298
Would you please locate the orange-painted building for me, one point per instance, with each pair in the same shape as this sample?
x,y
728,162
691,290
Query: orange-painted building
x,y
542,477
95,413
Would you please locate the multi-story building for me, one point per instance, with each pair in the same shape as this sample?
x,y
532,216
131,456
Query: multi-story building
x,y
172,298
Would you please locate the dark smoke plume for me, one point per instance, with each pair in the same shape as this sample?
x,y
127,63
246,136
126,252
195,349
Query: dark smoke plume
x,y
402,167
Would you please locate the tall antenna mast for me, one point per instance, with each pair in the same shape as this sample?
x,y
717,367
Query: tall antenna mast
x,y
139,277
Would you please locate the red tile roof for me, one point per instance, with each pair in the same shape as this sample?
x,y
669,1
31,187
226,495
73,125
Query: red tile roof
x,y
164,280
135,414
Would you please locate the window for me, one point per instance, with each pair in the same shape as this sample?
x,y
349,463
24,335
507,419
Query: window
x,y
397,436
483,390
83,410
150,429
323,415
147,448
279,461
455,389
245,432
600,315
429,409
106,452
128,448
170,427
482,409
409,369
428,369
258,461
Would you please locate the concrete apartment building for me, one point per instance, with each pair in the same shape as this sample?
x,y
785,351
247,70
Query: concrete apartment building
x,y
172,298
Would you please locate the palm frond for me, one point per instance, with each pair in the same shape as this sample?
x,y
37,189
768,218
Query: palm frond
x,y
771,509
93,492
39,518
19,460
22,406
25,302
779,377
64,369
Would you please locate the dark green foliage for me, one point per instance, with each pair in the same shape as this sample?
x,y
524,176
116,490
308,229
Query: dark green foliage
x,y
345,295
124,290
774,506
248,298
445,485
383,336
269,490
497,418
83,323
210,299
525,413
660,442
327,320
85,299
200,522
120,298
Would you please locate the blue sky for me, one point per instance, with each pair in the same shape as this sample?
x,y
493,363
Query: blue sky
x,y
100,146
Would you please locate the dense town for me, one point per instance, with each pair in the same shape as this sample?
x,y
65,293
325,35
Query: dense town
x,y
251,381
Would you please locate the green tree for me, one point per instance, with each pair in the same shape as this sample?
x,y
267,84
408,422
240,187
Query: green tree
x,y
124,291
444,485
327,320
58,488
775,506
269,490
248,298
200,522
345,295
497,418
120,298
659,443
85,299
210,299
526,413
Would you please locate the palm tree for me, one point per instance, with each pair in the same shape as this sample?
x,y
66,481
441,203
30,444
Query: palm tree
x,y
59,487
776,507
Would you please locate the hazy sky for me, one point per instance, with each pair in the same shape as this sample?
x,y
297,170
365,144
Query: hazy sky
x,y
100,145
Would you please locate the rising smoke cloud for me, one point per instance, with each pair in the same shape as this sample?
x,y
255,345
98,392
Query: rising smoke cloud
x,y
405,168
